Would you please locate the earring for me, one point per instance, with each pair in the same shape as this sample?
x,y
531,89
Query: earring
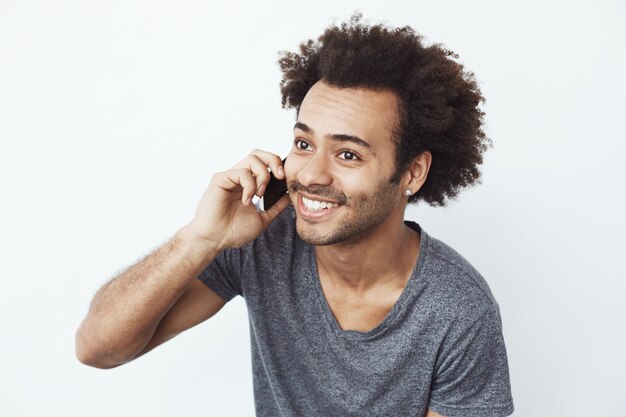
x,y
407,192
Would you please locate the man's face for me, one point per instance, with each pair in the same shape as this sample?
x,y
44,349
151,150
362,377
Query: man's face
x,y
339,169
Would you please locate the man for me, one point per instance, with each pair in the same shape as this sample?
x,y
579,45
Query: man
x,y
353,311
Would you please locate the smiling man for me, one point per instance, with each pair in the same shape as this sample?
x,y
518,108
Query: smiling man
x,y
354,311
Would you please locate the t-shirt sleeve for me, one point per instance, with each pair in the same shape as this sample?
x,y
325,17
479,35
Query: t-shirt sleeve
x,y
472,375
223,275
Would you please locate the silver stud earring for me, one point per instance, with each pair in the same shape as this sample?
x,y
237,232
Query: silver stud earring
x,y
407,192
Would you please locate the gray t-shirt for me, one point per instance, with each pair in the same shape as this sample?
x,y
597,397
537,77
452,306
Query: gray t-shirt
x,y
440,347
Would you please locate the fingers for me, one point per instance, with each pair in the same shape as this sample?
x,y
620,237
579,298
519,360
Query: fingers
x,y
241,178
252,175
273,212
272,161
260,173
258,163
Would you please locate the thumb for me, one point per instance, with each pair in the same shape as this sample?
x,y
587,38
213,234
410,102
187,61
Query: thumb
x,y
274,211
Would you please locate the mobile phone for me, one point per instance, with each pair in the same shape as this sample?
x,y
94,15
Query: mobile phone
x,y
274,191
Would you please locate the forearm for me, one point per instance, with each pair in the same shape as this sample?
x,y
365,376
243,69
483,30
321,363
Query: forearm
x,y
126,311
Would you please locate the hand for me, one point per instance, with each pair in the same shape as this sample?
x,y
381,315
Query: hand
x,y
225,217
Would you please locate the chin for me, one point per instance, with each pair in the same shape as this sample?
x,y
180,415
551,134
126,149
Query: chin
x,y
310,234
344,233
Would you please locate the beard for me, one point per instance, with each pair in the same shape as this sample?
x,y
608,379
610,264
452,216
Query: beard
x,y
361,215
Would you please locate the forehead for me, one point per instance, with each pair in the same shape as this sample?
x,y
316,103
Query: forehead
x,y
366,113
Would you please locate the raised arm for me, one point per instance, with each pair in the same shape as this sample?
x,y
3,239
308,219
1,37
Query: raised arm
x,y
126,311
159,297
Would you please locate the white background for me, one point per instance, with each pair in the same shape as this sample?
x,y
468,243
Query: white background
x,y
114,115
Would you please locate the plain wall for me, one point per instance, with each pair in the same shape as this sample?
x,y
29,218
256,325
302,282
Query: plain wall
x,y
114,115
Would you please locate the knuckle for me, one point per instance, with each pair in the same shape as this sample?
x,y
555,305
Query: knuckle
x,y
244,172
218,176
254,161
235,173
264,175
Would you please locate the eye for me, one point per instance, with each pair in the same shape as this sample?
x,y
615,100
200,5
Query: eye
x,y
349,156
302,145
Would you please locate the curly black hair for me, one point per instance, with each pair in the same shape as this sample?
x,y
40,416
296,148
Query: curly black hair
x,y
439,101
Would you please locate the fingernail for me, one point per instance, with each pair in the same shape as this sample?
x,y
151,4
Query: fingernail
x,y
261,190
281,170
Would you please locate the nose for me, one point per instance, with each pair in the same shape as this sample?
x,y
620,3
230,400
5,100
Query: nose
x,y
315,171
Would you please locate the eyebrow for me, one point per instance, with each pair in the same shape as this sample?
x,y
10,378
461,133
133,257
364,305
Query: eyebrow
x,y
335,136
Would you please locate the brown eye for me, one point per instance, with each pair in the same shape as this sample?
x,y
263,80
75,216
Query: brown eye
x,y
302,145
349,156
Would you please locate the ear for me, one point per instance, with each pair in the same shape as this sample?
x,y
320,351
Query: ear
x,y
417,173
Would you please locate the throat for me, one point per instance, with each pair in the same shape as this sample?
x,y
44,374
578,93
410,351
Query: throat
x,y
362,311
359,269
361,288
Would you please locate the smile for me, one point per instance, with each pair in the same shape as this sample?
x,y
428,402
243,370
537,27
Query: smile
x,y
316,205
310,209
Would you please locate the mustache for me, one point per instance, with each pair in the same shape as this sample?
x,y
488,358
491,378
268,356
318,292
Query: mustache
x,y
322,191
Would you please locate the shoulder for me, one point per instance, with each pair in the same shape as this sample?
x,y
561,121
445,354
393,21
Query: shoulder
x,y
255,266
455,288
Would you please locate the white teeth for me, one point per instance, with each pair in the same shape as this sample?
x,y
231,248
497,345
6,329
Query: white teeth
x,y
315,205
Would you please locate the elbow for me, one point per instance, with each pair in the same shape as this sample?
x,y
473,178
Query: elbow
x,y
94,361
87,355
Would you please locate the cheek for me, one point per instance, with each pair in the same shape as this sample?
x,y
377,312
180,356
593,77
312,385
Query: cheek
x,y
290,167
353,189
354,185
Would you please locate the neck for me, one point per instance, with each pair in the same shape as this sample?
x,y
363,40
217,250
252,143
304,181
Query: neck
x,y
386,256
